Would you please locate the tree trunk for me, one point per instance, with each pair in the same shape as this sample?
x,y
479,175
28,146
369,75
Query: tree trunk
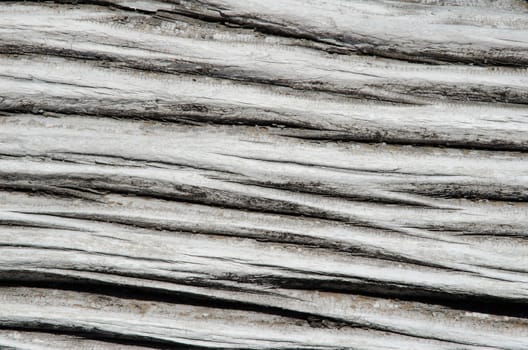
x,y
271,174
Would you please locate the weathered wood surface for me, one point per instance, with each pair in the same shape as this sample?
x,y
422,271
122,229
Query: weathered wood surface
x,y
264,174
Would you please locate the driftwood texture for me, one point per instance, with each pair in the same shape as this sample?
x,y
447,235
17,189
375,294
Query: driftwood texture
x,y
271,174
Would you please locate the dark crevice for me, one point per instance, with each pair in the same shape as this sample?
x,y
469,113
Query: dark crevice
x,y
321,190
201,69
284,208
103,3
57,282
340,43
22,223
518,235
250,204
332,167
98,158
285,239
192,114
453,299
170,191
474,192
495,145
470,303
102,335
420,95
84,251
333,43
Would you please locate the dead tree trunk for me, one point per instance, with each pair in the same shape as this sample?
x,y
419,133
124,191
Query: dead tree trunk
x,y
264,174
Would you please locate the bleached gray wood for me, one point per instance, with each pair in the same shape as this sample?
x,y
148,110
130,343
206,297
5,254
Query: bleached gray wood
x,y
263,175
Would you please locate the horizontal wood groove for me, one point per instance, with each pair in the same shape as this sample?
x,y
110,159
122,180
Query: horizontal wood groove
x,y
214,174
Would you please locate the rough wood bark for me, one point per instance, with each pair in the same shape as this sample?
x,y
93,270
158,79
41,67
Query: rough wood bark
x,y
264,174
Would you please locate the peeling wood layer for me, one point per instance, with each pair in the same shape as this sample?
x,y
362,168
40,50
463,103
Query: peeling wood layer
x,y
263,175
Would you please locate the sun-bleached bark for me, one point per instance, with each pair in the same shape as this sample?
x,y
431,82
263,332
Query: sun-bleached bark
x,y
263,174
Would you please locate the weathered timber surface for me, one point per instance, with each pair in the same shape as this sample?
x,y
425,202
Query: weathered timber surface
x,y
264,174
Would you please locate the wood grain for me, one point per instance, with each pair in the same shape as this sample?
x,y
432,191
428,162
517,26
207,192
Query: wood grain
x,y
264,175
